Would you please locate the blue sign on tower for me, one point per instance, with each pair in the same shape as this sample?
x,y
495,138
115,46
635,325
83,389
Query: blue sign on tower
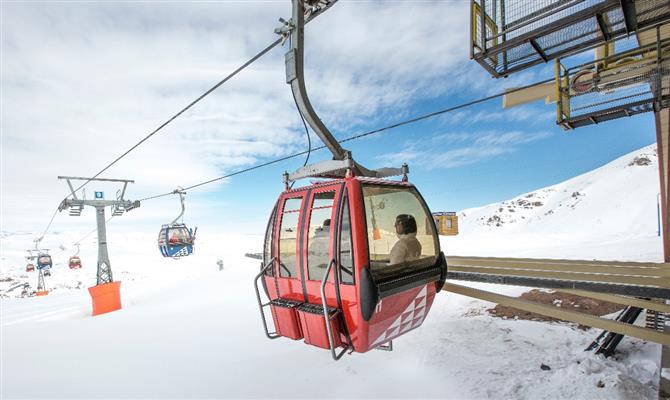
x,y
99,195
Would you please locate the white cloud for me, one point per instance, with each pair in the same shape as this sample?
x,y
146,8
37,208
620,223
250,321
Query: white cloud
x,y
81,82
463,148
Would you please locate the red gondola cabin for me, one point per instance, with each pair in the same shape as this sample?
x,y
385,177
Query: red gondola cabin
x,y
75,262
377,241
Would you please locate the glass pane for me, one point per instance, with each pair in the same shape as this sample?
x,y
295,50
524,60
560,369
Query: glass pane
x,y
287,237
399,226
177,236
346,249
319,241
267,248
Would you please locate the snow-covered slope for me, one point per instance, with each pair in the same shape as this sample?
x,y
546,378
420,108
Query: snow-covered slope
x,y
611,209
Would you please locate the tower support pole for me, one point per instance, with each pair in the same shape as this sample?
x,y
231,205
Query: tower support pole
x,y
104,267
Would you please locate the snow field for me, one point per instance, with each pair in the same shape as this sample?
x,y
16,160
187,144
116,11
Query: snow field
x,y
189,330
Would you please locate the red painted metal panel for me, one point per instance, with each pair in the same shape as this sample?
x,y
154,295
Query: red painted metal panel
x,y
313,325
285,318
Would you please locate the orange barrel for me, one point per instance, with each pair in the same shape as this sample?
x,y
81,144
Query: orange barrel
x,y
106,298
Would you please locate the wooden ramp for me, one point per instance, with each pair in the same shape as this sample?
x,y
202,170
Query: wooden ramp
x,y
627,283
651,280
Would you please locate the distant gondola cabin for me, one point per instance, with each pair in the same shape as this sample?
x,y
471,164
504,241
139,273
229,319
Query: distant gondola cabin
x,y
446,223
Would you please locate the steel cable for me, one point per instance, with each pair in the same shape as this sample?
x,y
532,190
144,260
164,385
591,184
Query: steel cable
x,y
358,136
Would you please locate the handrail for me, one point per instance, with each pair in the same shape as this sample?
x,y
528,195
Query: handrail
x,y
272,335
326,315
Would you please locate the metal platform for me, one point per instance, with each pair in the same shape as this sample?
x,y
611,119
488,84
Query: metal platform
x,y
621,85
649,280
511,35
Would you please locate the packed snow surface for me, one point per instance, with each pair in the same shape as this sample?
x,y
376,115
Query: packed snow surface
x,y
189,330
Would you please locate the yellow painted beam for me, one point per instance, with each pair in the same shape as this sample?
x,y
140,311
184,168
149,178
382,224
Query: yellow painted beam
x,y
568,276
629,301
545,91
645,270
463,259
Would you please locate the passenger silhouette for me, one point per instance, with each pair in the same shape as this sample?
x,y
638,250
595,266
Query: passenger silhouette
x,y
407,248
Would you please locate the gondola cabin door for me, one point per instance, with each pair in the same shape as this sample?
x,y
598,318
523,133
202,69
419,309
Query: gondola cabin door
x,y
318,242
305,227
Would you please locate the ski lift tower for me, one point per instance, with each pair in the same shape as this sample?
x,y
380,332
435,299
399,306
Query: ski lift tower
x,y
106,293
41,287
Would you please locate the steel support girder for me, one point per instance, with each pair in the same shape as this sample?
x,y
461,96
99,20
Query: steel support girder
x,y
629,14
663,151
628,290
40,281
104,273
125,204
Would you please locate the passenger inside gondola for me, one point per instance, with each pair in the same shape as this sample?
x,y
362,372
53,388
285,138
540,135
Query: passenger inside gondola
x,y
401,232
179,236
408,247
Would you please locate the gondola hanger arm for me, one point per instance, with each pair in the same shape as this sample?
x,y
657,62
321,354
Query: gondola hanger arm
x,y
343,163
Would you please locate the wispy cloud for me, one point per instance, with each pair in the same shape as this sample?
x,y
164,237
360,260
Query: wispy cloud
x,y
451,150
536,115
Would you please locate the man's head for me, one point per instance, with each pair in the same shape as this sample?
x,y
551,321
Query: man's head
x,y
404,224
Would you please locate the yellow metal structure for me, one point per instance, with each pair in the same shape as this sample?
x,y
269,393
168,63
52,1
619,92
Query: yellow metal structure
x,y
446,223
491,29
652,274
545,91
619,85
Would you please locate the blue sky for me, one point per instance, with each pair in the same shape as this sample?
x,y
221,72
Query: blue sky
x,y
80,100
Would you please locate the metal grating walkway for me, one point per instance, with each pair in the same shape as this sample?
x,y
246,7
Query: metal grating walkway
x,y
512,35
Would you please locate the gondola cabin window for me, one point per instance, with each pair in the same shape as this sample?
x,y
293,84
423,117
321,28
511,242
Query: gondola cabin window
x,y
267,249
288,235
399,227
319,234
346,249
179,236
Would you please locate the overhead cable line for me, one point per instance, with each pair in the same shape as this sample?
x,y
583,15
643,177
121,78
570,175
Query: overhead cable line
x,y
313,14
39,239
358,136
78,242
194,102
